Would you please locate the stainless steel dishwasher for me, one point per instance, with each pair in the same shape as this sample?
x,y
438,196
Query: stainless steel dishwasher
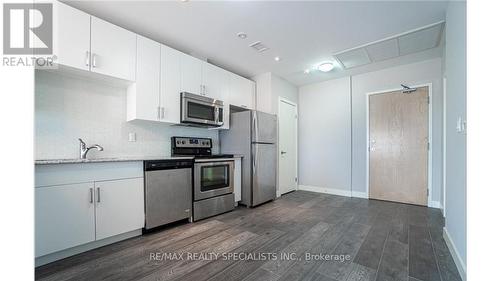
x,y
168,191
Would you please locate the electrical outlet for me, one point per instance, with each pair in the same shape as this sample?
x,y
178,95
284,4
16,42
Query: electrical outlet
x,y
132,137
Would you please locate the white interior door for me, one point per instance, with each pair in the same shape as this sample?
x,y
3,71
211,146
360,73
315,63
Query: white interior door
x,y
287,147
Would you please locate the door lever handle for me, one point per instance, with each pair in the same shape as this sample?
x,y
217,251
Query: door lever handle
x,y
283,152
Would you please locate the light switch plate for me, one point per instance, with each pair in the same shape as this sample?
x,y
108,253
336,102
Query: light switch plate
x,y
132,137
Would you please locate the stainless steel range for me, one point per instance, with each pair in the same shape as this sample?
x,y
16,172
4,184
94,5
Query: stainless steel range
x,y
213,176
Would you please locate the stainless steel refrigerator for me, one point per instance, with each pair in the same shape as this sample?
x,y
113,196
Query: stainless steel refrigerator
x,y
254,135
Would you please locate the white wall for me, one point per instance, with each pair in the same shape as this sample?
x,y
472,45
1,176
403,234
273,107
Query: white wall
x,y
325,126
68,108
411,74
268,90
455,73
263,92
325,136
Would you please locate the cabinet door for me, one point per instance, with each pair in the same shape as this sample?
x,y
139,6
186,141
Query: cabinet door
x,y
119,206
64,217
71,36
113,50
147,88
191,75
226,97
170,97
215,81
242,92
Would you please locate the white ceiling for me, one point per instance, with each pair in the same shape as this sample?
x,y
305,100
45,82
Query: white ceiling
x,y
401,45
301,33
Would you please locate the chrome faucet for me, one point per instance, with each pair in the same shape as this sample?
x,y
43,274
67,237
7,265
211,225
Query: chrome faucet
x,y
84,149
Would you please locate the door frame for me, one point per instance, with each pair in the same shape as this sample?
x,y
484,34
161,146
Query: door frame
x,y
280,100
429,152
443,181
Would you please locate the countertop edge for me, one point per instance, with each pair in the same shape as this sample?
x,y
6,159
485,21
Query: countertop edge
x,y
114,159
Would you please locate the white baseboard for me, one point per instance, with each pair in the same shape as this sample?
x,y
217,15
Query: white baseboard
x,y
348,193
434,204
359,194
319,189
454,253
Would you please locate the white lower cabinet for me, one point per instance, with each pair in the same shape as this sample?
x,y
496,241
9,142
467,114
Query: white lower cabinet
x,y
68,214
64,217
119,206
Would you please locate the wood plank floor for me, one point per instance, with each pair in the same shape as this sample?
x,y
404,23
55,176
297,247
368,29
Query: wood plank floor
x,y
367,240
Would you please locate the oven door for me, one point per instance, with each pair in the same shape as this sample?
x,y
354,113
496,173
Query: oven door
x,y
201,110
213,179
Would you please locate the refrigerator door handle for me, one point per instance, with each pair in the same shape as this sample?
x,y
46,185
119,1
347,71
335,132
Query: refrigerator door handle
x,y
255,130
254,153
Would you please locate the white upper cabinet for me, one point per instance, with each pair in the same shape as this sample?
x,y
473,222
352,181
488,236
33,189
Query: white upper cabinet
x,y
160,73
191,75
119,206
242,92
170,85
87,43
214,81
113,50
144,95
71,36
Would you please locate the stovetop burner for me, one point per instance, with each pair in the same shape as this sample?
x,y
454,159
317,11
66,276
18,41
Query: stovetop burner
x,y
199,148
214,156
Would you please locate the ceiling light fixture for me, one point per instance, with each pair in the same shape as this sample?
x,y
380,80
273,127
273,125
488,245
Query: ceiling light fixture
x,y
307,71
277,58
325,66
241,35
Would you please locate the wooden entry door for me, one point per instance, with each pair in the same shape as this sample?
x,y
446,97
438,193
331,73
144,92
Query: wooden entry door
x,y
398,148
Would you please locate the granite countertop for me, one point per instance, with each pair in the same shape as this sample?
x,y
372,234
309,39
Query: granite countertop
x,y
111,159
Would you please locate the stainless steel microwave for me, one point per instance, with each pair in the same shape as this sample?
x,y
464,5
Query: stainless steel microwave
x,y
201,110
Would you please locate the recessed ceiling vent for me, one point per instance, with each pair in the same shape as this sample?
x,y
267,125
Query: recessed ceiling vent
x,y
258,46
410,42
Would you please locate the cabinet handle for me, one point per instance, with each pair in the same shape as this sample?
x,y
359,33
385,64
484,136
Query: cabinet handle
x,y
98,195
162,112
87,58
204,90
158,112
201,90
91,195
94,60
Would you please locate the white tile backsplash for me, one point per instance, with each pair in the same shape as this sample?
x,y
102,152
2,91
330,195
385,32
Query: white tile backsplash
x,y
68,108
